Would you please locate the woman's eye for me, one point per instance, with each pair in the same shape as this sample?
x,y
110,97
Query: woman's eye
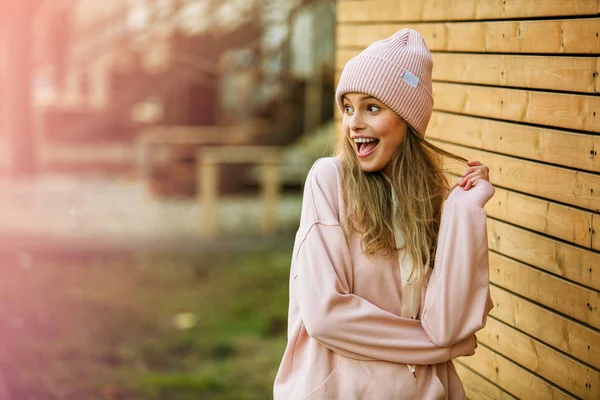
x,y
373,108
347,109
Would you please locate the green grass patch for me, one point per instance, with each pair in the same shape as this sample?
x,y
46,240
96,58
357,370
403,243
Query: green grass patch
x,y
145,327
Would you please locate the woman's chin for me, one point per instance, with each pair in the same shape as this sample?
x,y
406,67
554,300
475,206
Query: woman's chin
x,y
369,166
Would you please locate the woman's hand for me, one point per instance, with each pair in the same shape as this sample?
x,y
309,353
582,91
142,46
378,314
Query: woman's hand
x,y
473,173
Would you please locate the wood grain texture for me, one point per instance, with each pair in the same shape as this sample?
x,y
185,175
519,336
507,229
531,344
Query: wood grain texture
x,y
565,36
560,73
572,74
548,326
514,379
578,302
565,372
547,181
597,70
443,10
546,217
515,85
570,111
477,387
596,231
574,150
564,260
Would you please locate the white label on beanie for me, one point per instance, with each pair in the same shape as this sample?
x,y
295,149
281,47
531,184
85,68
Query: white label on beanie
x,y
410,78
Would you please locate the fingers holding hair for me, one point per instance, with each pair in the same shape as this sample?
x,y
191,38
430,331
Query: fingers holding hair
x,y
473,173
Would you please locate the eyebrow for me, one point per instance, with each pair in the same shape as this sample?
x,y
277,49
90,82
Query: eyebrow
x,y
365,97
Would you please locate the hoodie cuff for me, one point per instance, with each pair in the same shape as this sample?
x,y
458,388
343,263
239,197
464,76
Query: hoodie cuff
x,y
465,348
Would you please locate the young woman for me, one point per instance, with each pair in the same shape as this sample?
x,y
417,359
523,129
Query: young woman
x,y
389,275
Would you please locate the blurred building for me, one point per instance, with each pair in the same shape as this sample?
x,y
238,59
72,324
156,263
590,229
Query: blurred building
x,y
103,71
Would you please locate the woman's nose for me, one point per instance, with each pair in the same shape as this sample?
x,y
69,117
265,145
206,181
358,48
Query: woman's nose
x,y
356,122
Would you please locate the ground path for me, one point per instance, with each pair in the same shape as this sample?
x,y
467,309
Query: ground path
x,y
103,214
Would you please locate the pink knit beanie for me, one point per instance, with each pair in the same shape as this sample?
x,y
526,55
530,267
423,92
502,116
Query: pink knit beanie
x,y
396,71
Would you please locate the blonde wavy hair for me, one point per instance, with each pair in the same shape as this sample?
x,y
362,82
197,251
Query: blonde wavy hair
x,y
417,175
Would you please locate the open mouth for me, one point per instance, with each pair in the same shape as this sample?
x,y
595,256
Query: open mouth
x,y
364,146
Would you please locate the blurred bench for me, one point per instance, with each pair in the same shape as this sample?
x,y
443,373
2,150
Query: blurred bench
x,y
208,161
165,137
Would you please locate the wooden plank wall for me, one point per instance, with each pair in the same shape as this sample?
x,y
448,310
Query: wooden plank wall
x,y
516,86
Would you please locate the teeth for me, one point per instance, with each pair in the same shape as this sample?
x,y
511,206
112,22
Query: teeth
x,y
364,140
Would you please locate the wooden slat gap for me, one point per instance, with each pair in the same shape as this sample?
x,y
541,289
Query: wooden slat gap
x,y
463,10
557,388
510,121
547,200
563,353
530,161
471,131
567,329
534,355
541,270
524,89
550,237
463,21
554,238
565,316
458,361
474,52
576,170
579,37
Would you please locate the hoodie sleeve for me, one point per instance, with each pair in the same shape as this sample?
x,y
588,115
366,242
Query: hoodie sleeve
x,y
457,299
341,321
349,324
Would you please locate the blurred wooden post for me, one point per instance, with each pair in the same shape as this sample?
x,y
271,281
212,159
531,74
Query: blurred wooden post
x,y
208,185
19,18
270,196
208,160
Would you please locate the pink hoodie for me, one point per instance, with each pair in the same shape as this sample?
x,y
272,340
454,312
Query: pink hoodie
x,y
346,339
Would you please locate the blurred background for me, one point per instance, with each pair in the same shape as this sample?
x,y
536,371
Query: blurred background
x,y
152,157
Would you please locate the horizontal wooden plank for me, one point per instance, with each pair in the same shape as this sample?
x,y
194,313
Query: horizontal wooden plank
x,y
596,231
576,301
547,217
562,333
564,36
574,150
567,261
511,377
443,10
572,74
572,187
597,78
570,111
563,371
477,387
